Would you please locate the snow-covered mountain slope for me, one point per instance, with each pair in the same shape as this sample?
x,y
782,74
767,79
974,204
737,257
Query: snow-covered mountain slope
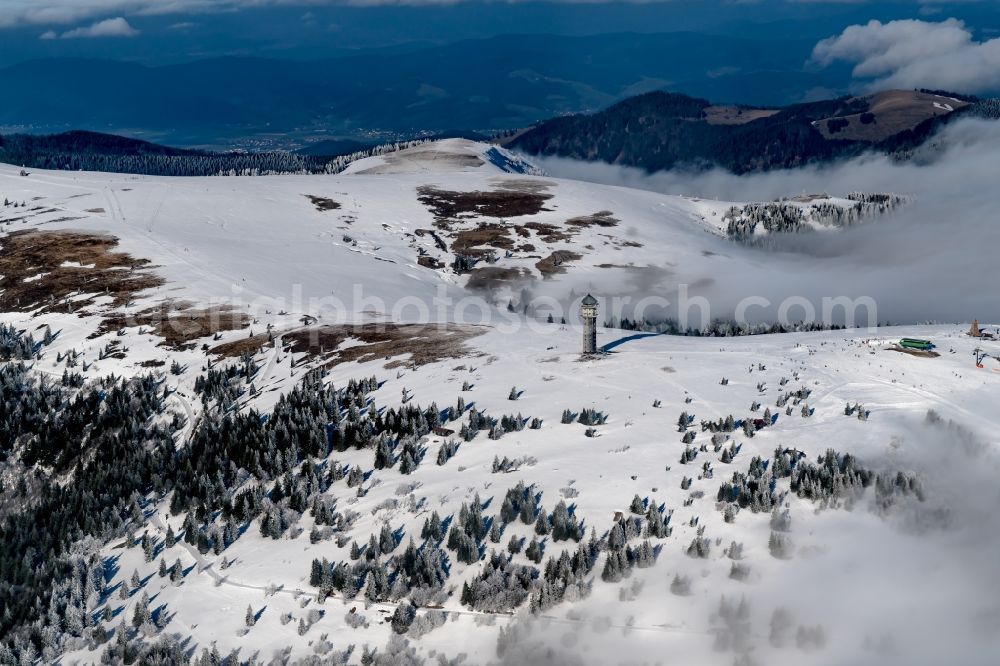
x,y
445,156
445,219
313,238
302,244
885,559
848,564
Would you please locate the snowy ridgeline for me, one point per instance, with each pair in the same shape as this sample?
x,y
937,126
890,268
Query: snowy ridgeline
x,y
25,150
503,160
747,222
338,164
353,492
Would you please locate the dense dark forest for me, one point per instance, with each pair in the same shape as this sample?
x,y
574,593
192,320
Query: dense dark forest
x,y
661,130
91,458
91,151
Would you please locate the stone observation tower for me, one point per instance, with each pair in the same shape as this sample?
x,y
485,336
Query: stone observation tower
x,y
588,311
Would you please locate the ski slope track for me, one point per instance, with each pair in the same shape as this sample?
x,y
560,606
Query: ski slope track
x,y
914,583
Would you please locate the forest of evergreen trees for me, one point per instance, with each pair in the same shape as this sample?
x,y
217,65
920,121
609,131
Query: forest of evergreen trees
x,y
92,457
660,131
672,132
785,217
116,437
717,328
91,151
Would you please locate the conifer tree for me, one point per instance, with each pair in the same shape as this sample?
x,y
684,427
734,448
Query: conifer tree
x,y
176,571
542,523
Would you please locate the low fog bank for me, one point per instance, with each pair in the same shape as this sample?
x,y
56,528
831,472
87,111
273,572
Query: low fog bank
x,y
959,162
932,260
915,584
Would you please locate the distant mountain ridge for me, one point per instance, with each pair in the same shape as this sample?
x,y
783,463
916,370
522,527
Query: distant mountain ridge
x,y
80,150
661,130
501,82
653,131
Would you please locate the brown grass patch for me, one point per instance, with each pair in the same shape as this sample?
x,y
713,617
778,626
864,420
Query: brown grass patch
x,y
735,115
890,113
100,271
178,323
549,233
428,261
556,262
96,211
509,201
423,343
405,161
619,242
471,242
604,218
253,344
523,184
322,203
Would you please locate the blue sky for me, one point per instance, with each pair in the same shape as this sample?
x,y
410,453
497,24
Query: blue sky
x,y
166,31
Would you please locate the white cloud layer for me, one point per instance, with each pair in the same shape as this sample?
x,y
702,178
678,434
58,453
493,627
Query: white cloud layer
x,y
14,13
926,262
114,27
916,54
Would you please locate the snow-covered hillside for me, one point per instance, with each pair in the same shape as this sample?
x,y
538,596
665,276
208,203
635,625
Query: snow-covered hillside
x,y
445,156
625,457
427,222
256,238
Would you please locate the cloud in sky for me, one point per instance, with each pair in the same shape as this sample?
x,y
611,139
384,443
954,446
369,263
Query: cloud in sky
x,y
64,12
15,13
916,54
114,27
